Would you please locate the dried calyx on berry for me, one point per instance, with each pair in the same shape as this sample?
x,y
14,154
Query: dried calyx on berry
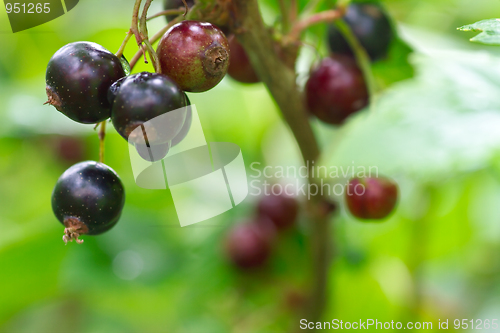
x,y
88,199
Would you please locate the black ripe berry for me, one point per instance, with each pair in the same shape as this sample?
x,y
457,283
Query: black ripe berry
x,y
370,25
78,78
152,153
240,68
195,55
142,97
281,210
248,245
175,4
371,198
88,199
336,89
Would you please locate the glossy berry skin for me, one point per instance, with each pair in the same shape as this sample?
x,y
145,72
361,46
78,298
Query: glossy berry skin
x,y
336,89
195,55
240,68
371,198
89,198
142,97
282,210
77,80
370,25
248,245
175,4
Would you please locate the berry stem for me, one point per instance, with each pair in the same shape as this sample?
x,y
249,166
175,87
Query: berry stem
x,y
285,17
143,28
152,40
322,17
102,135
167,12
281,82
120,51
362,58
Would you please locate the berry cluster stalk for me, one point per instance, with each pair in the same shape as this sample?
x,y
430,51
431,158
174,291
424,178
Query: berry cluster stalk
x,y
247,23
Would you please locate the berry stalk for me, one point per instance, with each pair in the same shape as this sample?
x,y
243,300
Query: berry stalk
x,y
143,29
249,27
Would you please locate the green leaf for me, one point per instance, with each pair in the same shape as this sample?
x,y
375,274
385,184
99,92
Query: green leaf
x,y
490,31
442,123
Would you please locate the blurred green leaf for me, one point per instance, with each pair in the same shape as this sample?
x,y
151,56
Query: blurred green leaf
x,y
490,31
443,122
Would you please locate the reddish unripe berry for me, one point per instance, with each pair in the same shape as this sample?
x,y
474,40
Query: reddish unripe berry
x,y
195,55
281,209
240,68
371,198
248,245
336,89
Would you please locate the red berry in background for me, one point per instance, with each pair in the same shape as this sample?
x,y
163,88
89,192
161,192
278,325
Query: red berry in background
x,y
195,55
371,198
281,210
69,149
248,245
240,68
336,89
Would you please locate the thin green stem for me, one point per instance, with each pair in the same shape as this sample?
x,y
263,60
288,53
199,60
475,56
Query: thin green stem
x,y
167,12
153,40
362,57
102,135
322,17
284,16
143,28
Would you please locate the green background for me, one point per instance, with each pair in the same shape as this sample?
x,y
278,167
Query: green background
x,y
436,133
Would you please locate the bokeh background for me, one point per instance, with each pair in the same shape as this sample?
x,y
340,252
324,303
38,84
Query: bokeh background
x,y
434,128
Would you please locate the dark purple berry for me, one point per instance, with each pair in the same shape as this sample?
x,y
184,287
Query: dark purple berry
x,y
248,245
142,97
371,198
370,25
113,90
282,210
240,68
336,89
175,4
78,78
195,55
88,199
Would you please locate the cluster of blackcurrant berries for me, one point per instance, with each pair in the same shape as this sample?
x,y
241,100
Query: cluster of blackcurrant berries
x,y
89,84
336,88
249,244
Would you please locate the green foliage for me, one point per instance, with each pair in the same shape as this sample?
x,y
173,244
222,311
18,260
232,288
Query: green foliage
x,y
490,31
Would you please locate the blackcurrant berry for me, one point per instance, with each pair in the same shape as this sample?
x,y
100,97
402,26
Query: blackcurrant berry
x,y
336,89
88,199
195,55
78,78
281,209
370,25
240,68
371,198
175,4
248,245
142,97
